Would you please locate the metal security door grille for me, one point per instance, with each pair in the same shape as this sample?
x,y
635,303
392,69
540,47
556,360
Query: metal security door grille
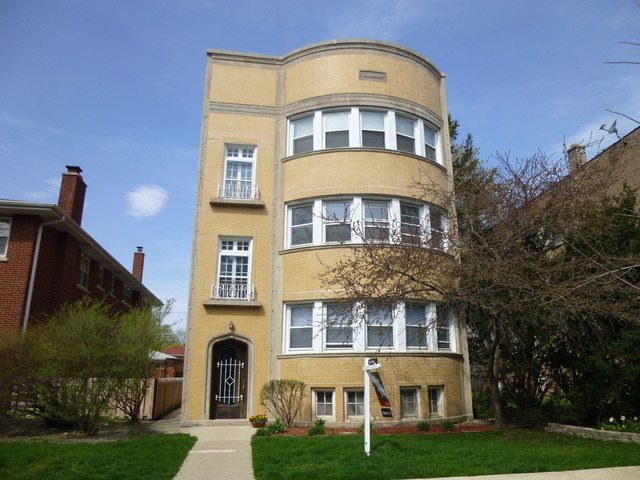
x,y
229,381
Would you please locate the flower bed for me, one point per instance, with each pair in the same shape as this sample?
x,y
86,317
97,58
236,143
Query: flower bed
x,y
412,430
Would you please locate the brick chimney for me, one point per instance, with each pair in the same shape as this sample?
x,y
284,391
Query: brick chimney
x,y
577,157
138,264
72,190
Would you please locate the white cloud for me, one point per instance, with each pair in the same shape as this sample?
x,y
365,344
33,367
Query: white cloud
x,y
49,193
146,201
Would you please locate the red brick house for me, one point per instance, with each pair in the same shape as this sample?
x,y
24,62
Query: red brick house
x,y
47,260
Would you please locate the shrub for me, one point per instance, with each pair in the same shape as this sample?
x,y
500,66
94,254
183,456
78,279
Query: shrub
x,y
283,399
317,429
262,432
424,427
275,427
81,361
448,426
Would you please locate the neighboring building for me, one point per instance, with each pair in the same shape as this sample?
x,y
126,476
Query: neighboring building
x,y
173,362
295,152
47,260
611,168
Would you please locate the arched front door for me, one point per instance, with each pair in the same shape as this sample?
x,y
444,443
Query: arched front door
x,y
229,382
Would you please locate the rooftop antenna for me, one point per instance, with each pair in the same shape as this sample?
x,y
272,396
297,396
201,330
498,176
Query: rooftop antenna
x,y
612,129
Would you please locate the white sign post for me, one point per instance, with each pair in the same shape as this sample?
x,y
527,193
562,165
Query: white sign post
x,y
369,364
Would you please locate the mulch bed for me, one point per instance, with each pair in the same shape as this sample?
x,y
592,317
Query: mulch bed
x,y
35,430
461,428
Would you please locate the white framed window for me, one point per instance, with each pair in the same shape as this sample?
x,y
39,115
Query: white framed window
x,y
239,172
84,267
338,326
409,402
380,326
302,134
416,325
372,129
410,224
367,127
405,134
436,403
354,404
336,129
323,403
376,220
5,231
301,224
317,326
430,145
337,221
300,326
234,261
100,279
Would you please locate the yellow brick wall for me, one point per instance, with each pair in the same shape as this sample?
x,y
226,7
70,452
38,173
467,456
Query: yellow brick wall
x,y
341,74
361,172
344,373
252,85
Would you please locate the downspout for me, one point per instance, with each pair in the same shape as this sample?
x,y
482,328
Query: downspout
x,y
34,267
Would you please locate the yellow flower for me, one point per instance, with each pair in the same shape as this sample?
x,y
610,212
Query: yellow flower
x,y
635,419
611,419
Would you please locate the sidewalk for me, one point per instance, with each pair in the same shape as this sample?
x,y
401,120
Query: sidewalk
x,y
223,452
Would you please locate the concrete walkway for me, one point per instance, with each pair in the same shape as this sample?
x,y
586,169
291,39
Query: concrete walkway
x,y
223,452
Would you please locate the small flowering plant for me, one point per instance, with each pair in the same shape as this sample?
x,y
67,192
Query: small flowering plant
x,y
258,419
622,424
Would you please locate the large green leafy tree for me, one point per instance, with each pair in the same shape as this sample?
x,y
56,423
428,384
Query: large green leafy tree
x,y
598,370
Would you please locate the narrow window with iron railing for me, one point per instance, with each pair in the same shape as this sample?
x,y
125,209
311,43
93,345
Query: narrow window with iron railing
x,y
234,262
239,173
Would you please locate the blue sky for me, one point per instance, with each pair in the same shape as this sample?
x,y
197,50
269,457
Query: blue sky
x,y
116,87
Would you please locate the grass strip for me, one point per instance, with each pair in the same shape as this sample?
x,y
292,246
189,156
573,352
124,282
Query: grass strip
x,y
156,457
424,456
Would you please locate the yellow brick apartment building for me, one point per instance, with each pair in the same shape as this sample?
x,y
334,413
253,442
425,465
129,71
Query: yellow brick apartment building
x,y
296,152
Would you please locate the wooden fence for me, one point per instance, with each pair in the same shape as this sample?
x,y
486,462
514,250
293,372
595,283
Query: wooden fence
x,y
167,396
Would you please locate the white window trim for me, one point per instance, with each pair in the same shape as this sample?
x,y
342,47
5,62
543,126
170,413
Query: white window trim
x,y
3,254
347,417
359,326
235,253
355,130
415,389
251,192
394,331
314,403
358,220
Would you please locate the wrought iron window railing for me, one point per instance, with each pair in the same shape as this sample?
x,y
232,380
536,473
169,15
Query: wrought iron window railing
x,y
238,192
232,291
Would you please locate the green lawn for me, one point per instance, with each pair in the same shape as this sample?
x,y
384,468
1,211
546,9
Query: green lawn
x,y
156,457
420,456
